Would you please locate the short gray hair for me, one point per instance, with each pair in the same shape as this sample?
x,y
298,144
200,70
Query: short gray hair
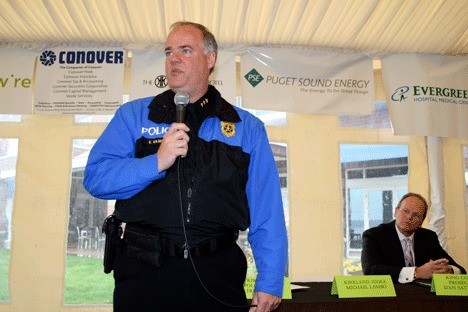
x,y
208,38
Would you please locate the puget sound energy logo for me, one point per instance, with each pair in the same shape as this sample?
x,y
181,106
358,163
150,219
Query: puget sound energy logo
x,y
430,94
308,84
253,77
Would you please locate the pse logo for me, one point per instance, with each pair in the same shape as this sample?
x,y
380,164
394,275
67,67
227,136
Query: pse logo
x,y
253,77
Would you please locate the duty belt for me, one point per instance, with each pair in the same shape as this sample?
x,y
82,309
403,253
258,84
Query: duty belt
x,y
145,238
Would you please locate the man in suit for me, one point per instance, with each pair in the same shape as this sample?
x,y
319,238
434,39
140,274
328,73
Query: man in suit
x,y
404,250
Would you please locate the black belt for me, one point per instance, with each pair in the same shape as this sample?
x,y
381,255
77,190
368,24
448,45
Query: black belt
x,y
211,245
171,248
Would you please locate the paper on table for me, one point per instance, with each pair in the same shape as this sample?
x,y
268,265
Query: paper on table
x,y
294,287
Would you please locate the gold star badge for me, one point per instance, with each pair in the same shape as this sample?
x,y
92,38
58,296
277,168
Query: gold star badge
x,y
228,128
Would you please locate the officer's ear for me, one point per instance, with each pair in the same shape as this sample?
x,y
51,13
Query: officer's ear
x,y
211,60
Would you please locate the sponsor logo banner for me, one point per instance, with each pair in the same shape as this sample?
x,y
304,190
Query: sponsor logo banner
x,y
149,75
16,74
79,81
427,94
307,82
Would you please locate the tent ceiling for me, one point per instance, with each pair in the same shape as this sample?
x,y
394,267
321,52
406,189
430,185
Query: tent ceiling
x,y
373,26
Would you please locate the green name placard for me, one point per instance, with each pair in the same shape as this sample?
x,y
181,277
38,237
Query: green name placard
x,y
450,284
249,286
362,286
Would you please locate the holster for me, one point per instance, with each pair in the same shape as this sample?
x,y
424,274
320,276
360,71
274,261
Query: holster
x,y
112,227
143,245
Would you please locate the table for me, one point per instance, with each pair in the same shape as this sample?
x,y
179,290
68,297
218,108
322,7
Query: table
x,y
410,297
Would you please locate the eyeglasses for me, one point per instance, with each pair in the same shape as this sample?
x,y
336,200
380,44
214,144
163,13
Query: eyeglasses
x,y
415,215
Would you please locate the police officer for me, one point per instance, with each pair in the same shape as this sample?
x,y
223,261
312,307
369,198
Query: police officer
x,y
185,190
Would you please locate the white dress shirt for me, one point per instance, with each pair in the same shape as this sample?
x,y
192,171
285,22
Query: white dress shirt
x,y
407,273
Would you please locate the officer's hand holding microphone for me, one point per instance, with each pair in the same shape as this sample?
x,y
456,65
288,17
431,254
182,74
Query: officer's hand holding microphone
x,y
173,145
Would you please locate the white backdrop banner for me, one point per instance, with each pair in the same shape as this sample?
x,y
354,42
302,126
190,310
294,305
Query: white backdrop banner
x,y
16,74
427,94
149,78
79,81
307,82
148,74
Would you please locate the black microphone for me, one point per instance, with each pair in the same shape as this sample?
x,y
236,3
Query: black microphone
x,y
181,100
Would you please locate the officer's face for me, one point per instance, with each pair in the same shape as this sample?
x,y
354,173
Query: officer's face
x,y
410,216
187,65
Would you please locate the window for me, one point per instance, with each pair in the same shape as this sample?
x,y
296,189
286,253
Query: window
x,y
8,157
93,118
85,281
379,119
10,118
280,154
374,178
269,118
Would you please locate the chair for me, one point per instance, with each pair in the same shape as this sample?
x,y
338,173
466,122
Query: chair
x,y
101,239
90,238
82,238
357,272
355,240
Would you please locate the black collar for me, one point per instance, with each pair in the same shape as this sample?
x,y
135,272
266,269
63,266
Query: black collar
x,y
162,108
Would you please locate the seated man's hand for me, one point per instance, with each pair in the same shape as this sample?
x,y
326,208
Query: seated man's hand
x,y
439,266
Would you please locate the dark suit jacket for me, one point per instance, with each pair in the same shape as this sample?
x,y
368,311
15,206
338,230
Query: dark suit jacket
x,y
382,253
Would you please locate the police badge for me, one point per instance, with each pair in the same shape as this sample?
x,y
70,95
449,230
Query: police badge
x,y
228,128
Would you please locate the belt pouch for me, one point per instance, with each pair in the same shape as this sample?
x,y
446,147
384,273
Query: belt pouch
x,y
143,245
113,230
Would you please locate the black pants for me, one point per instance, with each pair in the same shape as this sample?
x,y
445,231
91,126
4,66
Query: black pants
x,y
175,286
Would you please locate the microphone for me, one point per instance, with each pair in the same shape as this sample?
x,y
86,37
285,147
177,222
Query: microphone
x,y
181,100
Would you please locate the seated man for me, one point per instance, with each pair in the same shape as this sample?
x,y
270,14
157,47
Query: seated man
x,y
385,249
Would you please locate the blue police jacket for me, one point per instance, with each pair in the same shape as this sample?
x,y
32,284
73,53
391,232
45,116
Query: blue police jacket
x,y
228,181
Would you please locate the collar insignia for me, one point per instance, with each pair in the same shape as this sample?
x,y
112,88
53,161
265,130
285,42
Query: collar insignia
x,y
228,128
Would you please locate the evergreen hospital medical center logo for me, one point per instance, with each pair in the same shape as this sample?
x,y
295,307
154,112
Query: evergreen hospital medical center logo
x,y
430,94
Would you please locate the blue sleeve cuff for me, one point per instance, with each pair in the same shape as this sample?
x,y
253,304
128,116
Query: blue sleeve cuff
x,y
270,283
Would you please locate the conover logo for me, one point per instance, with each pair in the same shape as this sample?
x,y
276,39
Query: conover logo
x,y
48,57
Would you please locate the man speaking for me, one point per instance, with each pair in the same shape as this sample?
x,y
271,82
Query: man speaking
x,y
186,189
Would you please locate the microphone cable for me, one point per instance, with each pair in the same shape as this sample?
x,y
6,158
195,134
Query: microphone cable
x,y
187,253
